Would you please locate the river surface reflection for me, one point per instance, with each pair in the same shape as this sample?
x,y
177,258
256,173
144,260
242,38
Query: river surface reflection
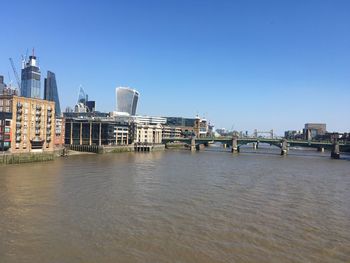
x,y
177,206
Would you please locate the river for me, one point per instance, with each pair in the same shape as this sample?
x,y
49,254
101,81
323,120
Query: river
x,y
177,206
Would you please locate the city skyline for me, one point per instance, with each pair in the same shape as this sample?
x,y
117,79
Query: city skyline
x,y
242,66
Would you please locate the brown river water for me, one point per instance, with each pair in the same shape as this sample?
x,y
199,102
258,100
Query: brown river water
x,y
177,206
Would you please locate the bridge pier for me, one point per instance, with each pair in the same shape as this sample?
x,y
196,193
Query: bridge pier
x,y
284,147
235,147
335,154
193,144
320,149
224,145
255,145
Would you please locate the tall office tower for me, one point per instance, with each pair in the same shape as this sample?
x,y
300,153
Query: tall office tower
x,y
127,100
30,85
50,91
2,85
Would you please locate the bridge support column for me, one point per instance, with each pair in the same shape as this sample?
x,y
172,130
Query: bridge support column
x,y
284,147
224,145
320,149
193,145
335,154
255,145
234,145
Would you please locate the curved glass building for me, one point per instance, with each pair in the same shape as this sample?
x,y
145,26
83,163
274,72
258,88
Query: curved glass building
x,y
126,100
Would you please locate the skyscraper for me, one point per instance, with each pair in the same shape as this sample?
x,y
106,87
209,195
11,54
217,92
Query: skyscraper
x,y
2,84
30,85
127,100
51,92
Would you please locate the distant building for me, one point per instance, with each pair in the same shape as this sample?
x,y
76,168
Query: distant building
x,y
2,85
30,79
91,105
127,100
32,125
201,127
293,135
51,92
312,130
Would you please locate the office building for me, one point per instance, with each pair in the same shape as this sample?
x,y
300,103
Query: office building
x,y
91,105
96,131
127,100
51,92
33,123
30,78
313,130
2,85
146,129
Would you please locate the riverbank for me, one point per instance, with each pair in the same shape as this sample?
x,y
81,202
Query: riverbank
x,y
69,150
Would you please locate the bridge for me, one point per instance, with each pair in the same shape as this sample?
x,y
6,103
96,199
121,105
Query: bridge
x,y
235,143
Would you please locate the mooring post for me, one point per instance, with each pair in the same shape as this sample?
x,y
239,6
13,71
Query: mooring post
x,y
284,147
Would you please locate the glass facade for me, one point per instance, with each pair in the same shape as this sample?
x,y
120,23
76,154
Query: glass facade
x,y
51,92
30,84
127,100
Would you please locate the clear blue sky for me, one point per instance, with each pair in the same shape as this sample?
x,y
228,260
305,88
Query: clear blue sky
x,y
243,64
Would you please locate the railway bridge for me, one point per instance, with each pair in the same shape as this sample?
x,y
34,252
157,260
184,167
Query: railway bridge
x,y
235,143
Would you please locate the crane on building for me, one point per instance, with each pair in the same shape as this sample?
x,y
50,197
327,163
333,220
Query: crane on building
x,y
15,73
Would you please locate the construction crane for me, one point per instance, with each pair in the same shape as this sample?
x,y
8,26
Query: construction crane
x,y
15,73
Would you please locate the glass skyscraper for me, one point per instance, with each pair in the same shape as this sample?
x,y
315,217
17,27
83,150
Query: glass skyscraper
x,y
127,100
30,84
51,92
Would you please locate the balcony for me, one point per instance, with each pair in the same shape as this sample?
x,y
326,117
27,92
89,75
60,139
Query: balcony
x,y
38,113
18,132
49,113
19,111
18,138
19,118
18,125
19,105
48,138
37,119
38,107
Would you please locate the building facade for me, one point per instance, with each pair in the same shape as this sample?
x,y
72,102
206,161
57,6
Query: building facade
x,y
147,129
30,79
51,92
127,100
33,123
96,131
5,129
313,130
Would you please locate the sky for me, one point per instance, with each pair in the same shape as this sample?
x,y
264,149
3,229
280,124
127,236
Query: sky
x,y
243,65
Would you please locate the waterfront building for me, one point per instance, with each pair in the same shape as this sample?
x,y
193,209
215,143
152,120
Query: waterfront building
x,y
30,78
32,126
171,132
59,132
5,129
96,131
126,100
147,129
51,92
